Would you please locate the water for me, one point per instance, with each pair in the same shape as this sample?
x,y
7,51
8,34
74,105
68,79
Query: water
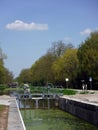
x,y
53,119
49,117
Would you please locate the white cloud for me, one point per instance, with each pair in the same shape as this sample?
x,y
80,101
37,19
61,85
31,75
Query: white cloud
x,y
86,31
20,26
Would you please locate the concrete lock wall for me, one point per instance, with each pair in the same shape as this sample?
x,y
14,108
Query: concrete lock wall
x,y
81,109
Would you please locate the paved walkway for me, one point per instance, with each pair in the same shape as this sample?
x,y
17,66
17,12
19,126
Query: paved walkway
x,y
90,97
15,121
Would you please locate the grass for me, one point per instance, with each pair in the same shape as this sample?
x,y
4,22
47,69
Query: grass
x,y
53,90
69,92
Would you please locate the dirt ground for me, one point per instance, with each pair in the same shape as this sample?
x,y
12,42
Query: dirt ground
x,y
4,101
4,118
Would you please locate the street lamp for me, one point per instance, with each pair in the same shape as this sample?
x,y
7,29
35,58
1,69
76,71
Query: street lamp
x,y
67,82
90,80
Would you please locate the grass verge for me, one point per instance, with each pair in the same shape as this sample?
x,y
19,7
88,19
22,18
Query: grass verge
x,y
69,92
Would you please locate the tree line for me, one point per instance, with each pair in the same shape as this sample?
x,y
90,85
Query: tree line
x,y
63,61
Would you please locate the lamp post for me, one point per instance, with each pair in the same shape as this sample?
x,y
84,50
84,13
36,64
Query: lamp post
x,y
83,81
67,82
90,80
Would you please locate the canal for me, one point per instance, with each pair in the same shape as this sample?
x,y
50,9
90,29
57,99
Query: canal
x,y
47,116
53,119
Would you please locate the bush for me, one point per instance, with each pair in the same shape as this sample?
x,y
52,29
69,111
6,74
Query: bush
x,y
2,88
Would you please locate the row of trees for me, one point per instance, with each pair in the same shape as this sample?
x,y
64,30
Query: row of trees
x,y
64,61
6,76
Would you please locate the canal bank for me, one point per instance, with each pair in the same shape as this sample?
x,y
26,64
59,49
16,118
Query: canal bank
x,y
83,106
15,121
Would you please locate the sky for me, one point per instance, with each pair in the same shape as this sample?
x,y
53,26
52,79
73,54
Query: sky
x,y
29,27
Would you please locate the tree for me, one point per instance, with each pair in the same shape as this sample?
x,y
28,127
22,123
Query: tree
x,y
41,70
2,73
2,56
25,76
88,57
8,76
66,66
5,75
58,48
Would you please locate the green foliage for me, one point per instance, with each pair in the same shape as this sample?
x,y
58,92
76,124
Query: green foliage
x,y
88,56
37,89
66,65
25,76
2,72
41,70
63,61
2,89
5,75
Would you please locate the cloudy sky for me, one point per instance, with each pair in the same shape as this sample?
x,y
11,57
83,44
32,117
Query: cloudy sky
x,y
29,27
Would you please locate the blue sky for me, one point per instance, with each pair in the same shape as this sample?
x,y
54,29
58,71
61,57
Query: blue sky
x,y
29,27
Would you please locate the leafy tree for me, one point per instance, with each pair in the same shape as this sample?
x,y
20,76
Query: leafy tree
x,y
5,75
8,76
66,66
25,76
88,56
41,70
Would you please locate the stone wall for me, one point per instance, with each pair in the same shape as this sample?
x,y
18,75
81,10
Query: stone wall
x,y
81,109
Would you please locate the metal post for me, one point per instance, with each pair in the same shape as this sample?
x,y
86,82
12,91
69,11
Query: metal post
x,y
67,82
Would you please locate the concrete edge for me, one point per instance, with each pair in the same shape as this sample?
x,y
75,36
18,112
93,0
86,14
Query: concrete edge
x,y
79,100
20,116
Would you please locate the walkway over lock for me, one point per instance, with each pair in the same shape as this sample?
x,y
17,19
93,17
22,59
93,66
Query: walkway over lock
x,y
40,96
37,98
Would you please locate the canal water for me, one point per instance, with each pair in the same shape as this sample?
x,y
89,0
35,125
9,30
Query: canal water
x,y
46,115
53,119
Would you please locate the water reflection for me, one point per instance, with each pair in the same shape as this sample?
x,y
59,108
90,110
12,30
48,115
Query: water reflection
x,y
42,103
